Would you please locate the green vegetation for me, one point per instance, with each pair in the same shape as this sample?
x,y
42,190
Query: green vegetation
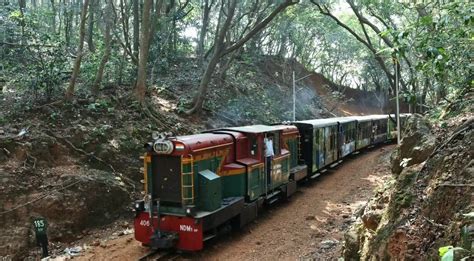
x,y
50,47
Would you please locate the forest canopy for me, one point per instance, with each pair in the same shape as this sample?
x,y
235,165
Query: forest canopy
x,y
52,50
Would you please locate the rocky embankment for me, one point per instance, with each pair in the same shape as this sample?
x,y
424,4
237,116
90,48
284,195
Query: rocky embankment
x,y
428,204
39,178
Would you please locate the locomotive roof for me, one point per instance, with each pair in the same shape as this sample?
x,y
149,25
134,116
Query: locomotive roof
x,y
258,128
204,140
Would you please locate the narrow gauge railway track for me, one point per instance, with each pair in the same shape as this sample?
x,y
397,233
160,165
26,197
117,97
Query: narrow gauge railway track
x,y
159,255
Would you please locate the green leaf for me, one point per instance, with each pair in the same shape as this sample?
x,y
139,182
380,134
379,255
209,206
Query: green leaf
x,y
426,20
385,33
443,250
91,106
448,256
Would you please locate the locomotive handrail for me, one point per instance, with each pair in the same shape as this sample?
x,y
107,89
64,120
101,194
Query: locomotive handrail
x,y
186,187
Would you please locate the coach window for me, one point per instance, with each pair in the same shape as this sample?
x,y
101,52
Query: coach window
x,y
348,135
331,139
353,133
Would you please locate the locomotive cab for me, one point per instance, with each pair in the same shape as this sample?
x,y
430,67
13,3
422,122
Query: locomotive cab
x,y
200,185
266,174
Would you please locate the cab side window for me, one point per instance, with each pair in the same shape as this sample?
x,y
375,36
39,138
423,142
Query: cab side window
x,y
253,147
276,143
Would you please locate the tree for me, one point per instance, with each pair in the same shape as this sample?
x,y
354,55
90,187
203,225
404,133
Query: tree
x,y
220,50
136,27
79,53
90,23
107,41
206,9
363,39
149,18
140,87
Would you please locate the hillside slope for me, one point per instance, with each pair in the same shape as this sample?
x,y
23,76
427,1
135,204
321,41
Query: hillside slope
x,y
428,203
77,164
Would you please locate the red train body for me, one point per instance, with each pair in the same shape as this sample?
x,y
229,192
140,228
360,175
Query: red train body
x,y
202,185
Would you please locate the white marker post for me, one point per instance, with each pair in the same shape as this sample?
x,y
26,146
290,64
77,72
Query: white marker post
x,y
398,103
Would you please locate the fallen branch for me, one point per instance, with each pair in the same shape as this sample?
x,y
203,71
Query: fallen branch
x,y
49,104
456,185
433,223
454,135
7,151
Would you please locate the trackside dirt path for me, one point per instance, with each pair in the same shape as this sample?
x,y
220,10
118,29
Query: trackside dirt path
x,y
310,225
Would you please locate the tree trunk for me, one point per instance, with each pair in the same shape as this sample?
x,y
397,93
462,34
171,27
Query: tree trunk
x,y
77,62
106,55
22,5
53,17
90,28
203,32
68,26
78,6
121,65
211,66
61,15
140,87
227,65
136,27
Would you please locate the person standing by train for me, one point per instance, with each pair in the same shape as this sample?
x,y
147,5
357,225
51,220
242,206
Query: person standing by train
x,y
269,153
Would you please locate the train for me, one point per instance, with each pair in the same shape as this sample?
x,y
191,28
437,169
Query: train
x,y
203,185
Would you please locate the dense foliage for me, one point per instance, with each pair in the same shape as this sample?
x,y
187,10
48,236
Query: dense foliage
x,y
47,45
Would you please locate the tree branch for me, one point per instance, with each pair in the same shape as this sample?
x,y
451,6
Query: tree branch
x,y
258,27
325,11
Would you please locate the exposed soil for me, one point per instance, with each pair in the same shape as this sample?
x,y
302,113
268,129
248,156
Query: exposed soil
x,y
310,225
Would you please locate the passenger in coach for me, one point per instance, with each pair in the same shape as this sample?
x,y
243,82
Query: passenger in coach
x,y
269,153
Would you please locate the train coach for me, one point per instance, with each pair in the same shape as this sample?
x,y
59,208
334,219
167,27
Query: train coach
x,y
202,185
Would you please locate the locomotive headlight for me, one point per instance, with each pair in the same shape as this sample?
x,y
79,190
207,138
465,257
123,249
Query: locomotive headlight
x,y
163,146
190,211
139,206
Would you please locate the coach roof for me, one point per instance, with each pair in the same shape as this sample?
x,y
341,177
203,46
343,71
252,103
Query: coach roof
x,y
258,128
318,122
